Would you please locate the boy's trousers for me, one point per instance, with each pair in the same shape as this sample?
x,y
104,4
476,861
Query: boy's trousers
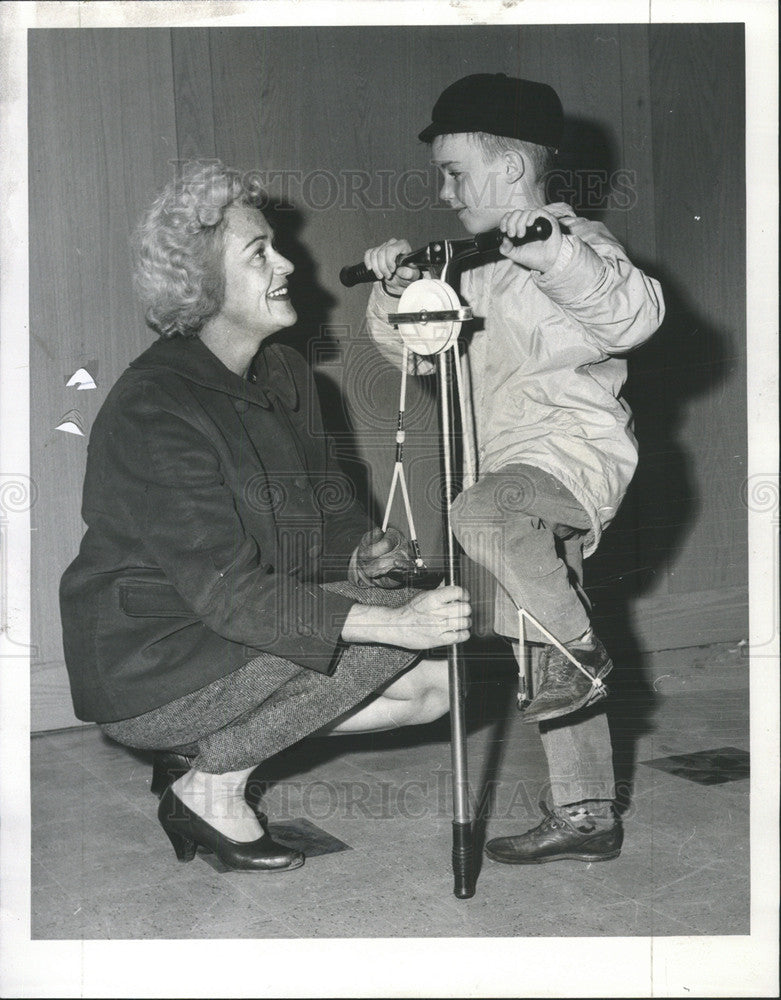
x,y
526,529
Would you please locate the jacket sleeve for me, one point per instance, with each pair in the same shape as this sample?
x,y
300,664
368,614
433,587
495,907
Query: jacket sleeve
x,y
594,281
174,492
386,337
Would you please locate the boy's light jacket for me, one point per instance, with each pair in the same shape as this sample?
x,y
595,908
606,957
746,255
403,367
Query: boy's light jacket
x,y
544,368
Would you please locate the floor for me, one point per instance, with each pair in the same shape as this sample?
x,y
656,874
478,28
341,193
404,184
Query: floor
x,y
103,869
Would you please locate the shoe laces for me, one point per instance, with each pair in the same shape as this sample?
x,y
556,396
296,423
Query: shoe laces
x,y
559,668
555,821
552,821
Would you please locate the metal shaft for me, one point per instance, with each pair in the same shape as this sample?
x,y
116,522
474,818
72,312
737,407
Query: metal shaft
x,y
463,867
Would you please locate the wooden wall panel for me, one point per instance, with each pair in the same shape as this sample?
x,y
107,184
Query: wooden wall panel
x,y
636,153
588,80
101,135
621,153
697,95
193,98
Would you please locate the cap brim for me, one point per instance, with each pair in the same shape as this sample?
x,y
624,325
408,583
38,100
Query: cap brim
x,y
430,132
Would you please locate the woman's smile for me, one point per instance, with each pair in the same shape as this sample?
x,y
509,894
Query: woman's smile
x,y
256,278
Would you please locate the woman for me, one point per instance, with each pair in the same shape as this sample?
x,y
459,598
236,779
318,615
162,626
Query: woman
x,y
227,599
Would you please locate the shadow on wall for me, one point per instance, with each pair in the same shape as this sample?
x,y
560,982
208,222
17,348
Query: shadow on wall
x,y
584,168
686,358
312,337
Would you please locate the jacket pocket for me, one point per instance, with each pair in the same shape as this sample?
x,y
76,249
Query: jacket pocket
x,y
152,600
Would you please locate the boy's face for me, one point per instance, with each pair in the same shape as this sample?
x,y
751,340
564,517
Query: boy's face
x,y
481,192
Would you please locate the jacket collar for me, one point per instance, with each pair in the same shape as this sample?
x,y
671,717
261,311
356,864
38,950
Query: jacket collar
x,y
269,375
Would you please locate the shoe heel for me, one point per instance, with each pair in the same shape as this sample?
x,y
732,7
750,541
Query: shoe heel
x,y
166,768
185,849
160,779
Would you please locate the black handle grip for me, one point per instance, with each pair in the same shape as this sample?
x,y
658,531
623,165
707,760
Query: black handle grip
x,y
356,274
360,274
540,229
463,862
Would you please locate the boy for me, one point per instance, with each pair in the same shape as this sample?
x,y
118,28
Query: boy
x,y
555,449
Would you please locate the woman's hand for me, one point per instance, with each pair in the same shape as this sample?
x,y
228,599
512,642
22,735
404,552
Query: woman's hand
x,y
434,618
382,559
382,260
540,255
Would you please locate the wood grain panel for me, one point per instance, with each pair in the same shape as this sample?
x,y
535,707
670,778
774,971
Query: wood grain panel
x,y
697,93
102,135
637,143
695,618
239,90
621,561
194,105
587,64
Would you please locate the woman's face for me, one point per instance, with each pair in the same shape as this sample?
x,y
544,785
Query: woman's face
x,y
257,301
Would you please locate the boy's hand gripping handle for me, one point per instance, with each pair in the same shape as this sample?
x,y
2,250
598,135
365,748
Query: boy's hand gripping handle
x,y
540,229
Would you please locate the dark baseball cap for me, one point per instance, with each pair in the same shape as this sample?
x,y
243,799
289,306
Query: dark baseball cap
x,y
500,105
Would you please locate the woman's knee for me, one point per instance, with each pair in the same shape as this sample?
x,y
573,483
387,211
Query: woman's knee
x,y
422,694
430,705
427,674
433,695
433,705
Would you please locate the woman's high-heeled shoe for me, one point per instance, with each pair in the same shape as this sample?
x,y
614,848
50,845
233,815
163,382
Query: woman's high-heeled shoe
x,y
187,831
168,767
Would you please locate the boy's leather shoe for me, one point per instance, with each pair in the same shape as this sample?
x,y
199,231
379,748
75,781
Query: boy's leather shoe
x,y
559,838
563,687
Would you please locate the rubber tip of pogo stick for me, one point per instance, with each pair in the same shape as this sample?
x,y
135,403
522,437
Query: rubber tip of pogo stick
x,y
464,886
463,869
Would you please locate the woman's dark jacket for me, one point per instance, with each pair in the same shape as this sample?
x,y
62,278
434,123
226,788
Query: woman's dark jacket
x,y
213,507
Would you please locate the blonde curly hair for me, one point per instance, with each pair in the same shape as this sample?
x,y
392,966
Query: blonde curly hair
x,y
178,246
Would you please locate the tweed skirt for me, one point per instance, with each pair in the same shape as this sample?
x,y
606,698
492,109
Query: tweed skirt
x,y
269,703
